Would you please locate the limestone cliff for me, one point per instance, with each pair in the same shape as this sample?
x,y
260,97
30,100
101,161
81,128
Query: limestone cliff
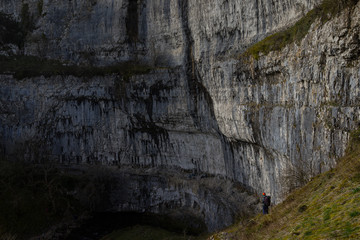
x,y
153,31
269,124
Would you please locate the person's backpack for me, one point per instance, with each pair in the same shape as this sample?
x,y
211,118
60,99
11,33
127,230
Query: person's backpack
x,y
267,200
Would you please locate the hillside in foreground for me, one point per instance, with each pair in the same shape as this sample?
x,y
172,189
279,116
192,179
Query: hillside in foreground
x,y
328,207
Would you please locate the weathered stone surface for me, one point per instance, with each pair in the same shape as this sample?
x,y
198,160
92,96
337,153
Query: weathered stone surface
x,y
213,199
153,31
297,105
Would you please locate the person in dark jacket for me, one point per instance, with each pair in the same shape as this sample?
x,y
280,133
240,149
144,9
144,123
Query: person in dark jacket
x,y
266,203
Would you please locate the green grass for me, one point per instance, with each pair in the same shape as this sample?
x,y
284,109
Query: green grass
x,y
30,66
325,11
354,214
140,232
328,207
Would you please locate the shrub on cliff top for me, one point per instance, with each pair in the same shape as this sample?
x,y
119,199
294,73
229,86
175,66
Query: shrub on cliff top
x,y
325,11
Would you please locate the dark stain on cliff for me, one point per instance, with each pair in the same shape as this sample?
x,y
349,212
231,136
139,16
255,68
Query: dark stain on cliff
x,y
13,31
132,21
10,30
158,134
155,96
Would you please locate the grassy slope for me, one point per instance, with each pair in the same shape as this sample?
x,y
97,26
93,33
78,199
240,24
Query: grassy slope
x,y
328,207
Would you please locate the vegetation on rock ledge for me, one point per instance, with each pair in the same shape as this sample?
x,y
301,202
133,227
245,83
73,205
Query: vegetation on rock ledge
x,y
30,66
325,11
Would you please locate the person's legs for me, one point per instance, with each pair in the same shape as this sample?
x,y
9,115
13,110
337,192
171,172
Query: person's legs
x,y
265,209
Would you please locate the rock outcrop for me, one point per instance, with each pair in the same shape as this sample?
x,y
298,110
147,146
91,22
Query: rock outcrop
x,y
269,124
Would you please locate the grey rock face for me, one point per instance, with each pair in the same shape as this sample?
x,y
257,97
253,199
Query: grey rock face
x,y
269,124
152,31
145,122
214,201
297,105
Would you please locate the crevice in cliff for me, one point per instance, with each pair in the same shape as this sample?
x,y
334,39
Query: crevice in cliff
x,y
196,89
200,95
189,61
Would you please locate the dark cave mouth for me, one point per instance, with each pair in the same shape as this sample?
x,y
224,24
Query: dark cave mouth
x,y
100,224
89,202
173,200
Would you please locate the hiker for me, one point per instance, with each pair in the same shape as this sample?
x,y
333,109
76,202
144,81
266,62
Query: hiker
x,y
266,203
